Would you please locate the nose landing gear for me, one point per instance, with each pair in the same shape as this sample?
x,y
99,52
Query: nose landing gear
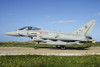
x,y
36,47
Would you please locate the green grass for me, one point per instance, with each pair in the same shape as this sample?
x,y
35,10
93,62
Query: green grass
x,y
21,44
86,44
30,44
49,61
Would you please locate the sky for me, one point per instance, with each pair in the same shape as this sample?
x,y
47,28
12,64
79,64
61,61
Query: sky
x,y
54,15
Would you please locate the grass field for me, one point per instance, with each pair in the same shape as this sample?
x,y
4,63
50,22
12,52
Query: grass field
x,y
29,44
49,61
25,44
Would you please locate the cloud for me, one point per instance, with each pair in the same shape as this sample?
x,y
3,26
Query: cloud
x,y
63,22
48,16
68,21
98,13
9,14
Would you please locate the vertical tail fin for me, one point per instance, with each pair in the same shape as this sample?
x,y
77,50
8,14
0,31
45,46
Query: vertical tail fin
x,y
86,29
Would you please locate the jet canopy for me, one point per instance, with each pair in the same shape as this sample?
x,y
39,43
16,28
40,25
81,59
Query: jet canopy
x,y
29,28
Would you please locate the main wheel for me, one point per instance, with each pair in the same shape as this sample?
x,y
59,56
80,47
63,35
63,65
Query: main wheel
x,y
57,46
62,47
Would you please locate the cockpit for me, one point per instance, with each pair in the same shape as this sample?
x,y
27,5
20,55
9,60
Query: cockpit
x,y
29,28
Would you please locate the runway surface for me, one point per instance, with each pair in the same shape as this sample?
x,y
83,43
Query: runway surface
x,y
70,51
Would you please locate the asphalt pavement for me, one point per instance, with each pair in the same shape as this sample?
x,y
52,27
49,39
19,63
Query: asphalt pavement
x,y
70,51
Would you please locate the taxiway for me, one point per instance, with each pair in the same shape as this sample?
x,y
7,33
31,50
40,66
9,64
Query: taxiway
x,y
49,51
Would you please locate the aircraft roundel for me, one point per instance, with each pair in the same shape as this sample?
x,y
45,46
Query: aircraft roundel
x,y
40,32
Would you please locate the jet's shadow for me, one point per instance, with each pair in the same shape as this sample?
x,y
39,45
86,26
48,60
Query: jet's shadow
x,y
70,48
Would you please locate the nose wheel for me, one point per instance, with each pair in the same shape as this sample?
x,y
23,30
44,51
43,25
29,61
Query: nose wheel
x,y
36,47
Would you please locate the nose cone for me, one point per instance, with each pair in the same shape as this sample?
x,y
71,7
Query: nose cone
x,y
13,33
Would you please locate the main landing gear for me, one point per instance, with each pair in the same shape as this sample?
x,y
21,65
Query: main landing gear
x,y
61,47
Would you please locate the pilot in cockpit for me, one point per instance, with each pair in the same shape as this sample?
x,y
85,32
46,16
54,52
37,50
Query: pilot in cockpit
x,y
29,28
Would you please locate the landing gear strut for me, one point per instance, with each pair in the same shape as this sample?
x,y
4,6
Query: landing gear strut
x,y
57,46
62,47
36,47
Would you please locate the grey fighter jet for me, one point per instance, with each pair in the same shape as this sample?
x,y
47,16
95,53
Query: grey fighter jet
x,y
80,36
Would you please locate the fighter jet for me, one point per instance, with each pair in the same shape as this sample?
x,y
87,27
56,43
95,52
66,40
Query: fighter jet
x,y
40,36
